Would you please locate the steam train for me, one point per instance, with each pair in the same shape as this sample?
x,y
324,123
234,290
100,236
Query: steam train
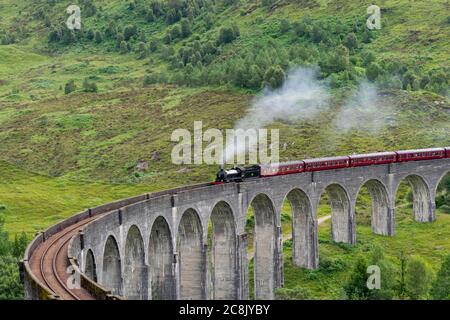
x,y
239,174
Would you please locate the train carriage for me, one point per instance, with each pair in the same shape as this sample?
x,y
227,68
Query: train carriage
x,y
327,163
420,154
372,158
276,169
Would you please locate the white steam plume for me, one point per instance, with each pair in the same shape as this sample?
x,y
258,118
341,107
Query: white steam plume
x,y
366,110
301,97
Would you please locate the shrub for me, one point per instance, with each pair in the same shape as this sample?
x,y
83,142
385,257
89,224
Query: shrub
x,y
228,34
123,47
70,87
89,86
285,26
153,78
129,32
297,293
142,50
356,286
274,77
373,71
417,278
350,41
90,35
153,45
441,286
98,37
10,253
332,265
53,36
185,28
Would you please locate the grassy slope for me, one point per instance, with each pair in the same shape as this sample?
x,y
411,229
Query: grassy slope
x,y
33,202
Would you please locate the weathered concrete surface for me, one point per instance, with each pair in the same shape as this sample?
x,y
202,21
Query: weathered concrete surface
x,y
159,248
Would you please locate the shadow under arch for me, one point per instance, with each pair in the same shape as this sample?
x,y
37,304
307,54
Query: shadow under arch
x,y
191,256
441,179
135,271
341,226
222,253
112,271
381,213
90,267
304,229
442,192
160,259
423,205
264,246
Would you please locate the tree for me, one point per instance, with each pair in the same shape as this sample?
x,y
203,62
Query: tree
x,y
54,36
90,35
175,32
267,3
153,45
129,32
142,50
255,78
441,286
10,284
300,28
70,87
274,77
367,57
350,41
228,34
373,71
185,28
149,16
417,278
285,26
123,47
172,16
111,30
98,37
89,86
341,59
356,286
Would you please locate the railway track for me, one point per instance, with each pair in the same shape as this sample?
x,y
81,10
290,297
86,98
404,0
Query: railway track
x,y
50,262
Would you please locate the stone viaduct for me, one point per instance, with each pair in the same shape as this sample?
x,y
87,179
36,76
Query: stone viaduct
x,y
159,248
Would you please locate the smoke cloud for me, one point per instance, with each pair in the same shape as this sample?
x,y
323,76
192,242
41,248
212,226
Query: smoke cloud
x,y
366,110
301,97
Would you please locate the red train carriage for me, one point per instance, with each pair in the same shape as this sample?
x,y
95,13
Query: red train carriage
x,y
420,154
447,152
327,163
276,169
372,158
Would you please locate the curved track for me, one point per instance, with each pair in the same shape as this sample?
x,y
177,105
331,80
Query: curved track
x,y
49,261
50,264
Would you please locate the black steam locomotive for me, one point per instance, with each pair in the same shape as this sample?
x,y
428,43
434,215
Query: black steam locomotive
x,y
238,174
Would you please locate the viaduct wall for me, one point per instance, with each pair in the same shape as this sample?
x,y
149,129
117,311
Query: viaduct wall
x,y
157,247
